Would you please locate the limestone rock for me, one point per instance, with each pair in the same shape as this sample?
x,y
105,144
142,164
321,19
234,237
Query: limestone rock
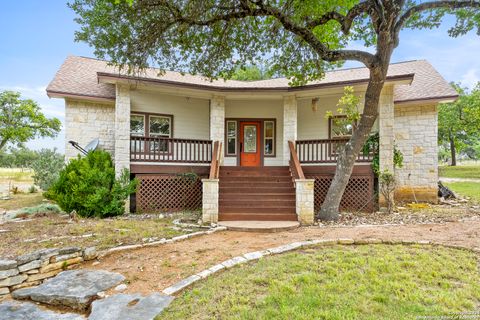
x,y
26,258
13,280
90,253
126,307
74,288
35,264
7,264
8,273
27,311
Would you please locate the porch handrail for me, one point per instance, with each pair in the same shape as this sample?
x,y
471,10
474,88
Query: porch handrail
x,y
215,163
295,166
163,149
326,150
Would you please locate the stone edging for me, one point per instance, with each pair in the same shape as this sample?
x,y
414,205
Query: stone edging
x,y
256,255
33,268
107,252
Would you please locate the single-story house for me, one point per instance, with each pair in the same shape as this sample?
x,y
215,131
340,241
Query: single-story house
x,y
249,150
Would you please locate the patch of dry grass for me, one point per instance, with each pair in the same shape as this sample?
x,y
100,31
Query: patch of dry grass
x,y
22,200
55,230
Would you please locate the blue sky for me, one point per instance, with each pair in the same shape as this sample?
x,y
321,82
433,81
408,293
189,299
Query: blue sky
x,y
37,35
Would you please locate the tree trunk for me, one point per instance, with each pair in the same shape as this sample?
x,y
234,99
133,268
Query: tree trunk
x,y
346,159
453,151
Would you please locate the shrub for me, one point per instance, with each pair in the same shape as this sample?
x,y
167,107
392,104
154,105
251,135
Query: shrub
x,y
32,189
88,185
47,167
387,188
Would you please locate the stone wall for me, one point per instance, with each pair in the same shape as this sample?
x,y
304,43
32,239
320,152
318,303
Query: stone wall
x,y
304,200
217,121
416,138
33,268
122,128
85,121
289,125
210,201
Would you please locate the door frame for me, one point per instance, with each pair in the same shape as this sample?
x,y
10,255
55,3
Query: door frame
x,y
262,140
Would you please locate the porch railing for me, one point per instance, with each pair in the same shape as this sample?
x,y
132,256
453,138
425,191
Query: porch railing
x,y
324,151
295,167
159,149
215,164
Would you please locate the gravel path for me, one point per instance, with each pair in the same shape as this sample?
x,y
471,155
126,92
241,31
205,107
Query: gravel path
x,y
155,268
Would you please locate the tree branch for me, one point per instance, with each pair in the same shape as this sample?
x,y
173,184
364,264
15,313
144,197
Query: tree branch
x,y
446,4
345,21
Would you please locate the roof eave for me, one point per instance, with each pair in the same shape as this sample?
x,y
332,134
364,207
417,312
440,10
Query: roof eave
x,y
439,99
79,96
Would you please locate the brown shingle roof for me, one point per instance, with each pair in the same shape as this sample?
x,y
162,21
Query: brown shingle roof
x,y
78,76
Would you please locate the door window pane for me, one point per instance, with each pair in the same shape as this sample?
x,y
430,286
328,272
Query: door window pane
x,y
250,138
159,126
231,137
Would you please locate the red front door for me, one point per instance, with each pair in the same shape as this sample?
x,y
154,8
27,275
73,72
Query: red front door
x,y
250,155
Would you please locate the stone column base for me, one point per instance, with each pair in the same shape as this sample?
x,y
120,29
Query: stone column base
x,y
210,201
304,196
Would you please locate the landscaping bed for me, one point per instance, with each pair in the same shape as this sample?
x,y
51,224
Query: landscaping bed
x,y
339,282
53,230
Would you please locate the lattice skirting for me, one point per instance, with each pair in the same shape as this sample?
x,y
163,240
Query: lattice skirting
x,y
162,193
358,196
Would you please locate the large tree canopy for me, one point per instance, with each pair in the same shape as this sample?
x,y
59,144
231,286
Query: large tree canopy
x,y
300,39
459,122
22,120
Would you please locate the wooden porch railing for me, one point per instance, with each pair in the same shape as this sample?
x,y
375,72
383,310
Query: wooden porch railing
x,y
295,167
215,163
324,151
159,149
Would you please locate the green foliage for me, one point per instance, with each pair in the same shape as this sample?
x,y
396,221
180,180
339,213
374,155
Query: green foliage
x,y
17,158
387,188
21,120
371,146
251,73
41,208
88,185
347,106
460,121
47,168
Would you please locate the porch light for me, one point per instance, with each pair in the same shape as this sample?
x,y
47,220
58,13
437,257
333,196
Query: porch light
x,y
314,104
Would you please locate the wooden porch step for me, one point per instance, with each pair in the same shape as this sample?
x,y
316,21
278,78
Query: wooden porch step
x,y
257,217
258,184
245,203
257,197
255,209
258,190
256,179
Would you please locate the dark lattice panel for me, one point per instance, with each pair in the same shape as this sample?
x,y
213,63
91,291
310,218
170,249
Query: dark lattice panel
x,y
161,193
358,195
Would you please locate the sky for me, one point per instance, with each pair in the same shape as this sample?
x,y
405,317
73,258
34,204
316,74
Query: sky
x,y
36,36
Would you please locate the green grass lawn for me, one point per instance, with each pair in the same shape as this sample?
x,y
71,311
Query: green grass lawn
x,y
466,189
338,282
469,172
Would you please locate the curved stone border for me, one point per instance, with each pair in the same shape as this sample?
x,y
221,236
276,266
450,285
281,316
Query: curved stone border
x,y
256,255
107,252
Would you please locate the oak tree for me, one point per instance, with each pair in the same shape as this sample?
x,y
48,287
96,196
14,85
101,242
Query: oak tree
x,y
300,39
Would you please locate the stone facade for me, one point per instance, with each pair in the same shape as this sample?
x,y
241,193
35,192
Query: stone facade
x,y
217,121
416,137
122,128
386,130
304,200
85,121
289,125
210,201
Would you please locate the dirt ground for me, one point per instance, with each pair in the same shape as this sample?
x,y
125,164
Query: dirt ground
x,y
155,268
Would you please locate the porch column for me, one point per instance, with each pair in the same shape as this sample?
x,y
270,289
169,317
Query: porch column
x,y
122,132
386,131
210,201
217,121
289,125
304,200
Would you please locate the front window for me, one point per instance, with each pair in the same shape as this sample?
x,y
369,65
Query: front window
x,y
269,138
340,127
137,125
231,137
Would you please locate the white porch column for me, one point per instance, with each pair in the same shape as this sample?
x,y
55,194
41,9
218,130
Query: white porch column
x,y
217,121
122,132
122,128
386,130
289,125
304,200
210,201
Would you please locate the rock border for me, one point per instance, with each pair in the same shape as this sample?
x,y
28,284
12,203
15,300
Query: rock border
x,y
257,255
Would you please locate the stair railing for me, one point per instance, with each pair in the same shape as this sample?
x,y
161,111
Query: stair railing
x,y
215,163
295,167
